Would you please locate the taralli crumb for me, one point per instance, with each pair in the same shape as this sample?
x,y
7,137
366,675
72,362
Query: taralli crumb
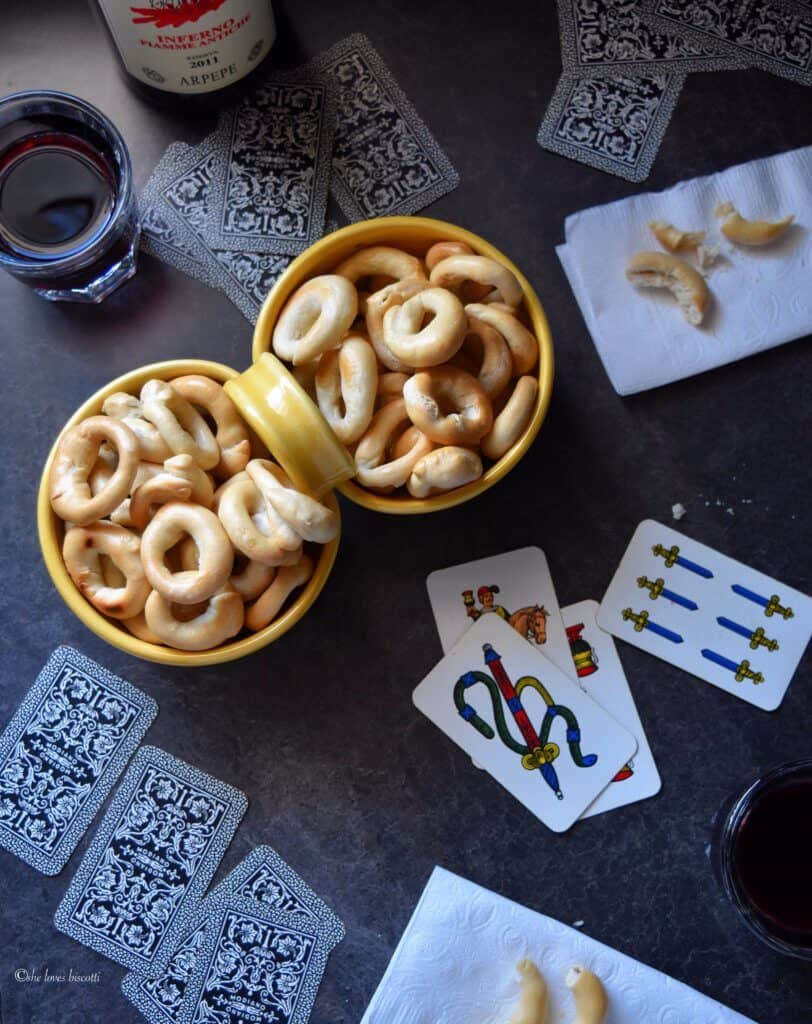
x,y
662,270
454,270
741,231
532,1005
373,468
222,619
268,605
420,346
180,424
587,989
346,385
444,469
315,318
380,260
76,455
523,346
230,432
428,393
673,239
82,549
512,420
170,524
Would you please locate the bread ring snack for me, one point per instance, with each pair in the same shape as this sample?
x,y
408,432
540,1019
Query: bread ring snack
x,y
404,443
443,470
438,341
160,490
442,250
169,525
428,393
496,362
180,424
128,409
346,384
752,232
512,420
304,515
380,259
230,433
222,619
253,528
390,385
591,1002
372,469
137,625
378,305
454,270
315,318
82,549
75,457
662,270
524,349
252,579
532,1005
269,603
185,468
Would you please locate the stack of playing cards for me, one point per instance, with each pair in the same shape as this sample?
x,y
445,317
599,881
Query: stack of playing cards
x,y
235,209
537,696
625,62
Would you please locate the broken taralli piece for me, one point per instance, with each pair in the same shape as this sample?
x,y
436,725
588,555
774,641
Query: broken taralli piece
x,y
662,270
591,1002
750,232
532,1005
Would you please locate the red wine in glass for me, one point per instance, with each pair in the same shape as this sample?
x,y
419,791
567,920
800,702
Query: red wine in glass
x,y
68,221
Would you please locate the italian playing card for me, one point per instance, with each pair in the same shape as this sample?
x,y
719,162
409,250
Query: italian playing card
x,y
526,723
61,754
601,675
264,877
728,624
516,587
152,857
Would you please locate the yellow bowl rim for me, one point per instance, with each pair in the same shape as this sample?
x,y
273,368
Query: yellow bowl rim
x,y
361,233
106,628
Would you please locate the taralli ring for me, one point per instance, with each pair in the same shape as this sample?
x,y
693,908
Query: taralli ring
x,y
442,250
587,989
159,490
230,432
496,362
512,420
169,525
129,410
82,550
307,517
315,318
454,270
524,348
268,605
346,384
443,470
222,619
390,386
251,580
256,530
76,455
532,1005
378,305
383,260
180,424
438,341
428,393
372,469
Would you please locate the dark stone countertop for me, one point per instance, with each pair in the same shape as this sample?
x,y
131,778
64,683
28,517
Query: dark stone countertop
x,y
358,791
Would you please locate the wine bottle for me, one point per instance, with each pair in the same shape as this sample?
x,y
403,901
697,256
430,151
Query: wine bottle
x,y
176,50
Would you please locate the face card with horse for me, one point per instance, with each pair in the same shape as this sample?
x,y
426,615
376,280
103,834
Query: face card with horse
x,y
526,723
515,587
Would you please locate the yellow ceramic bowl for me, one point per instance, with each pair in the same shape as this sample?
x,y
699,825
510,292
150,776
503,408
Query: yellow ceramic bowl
x,y
415,235
51,531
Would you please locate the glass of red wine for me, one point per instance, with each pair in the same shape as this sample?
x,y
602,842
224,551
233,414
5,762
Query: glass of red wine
x,y
68,216
763,853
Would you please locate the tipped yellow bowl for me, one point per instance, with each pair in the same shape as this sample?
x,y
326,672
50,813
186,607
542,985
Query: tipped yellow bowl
x,y
51,532
415,235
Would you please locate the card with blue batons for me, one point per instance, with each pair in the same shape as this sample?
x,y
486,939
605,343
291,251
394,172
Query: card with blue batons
x,y
526,723
62,753
255,963
263,876
148,866
708,614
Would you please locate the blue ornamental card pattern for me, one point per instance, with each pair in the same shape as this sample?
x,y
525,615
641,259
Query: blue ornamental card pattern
x,y
155,852
263,877
256,964
61,754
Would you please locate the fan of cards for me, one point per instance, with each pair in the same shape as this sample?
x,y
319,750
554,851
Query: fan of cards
x,y
625,62
254,948
537,695
235,209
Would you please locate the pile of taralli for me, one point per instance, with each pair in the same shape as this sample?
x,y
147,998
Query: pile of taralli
x,y
422,367
172,528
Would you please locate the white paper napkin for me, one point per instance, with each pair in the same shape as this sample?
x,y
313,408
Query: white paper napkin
x,y
455,964
761,296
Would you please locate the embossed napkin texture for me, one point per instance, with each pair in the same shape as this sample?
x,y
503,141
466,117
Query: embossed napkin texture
x,y
456,962
761,297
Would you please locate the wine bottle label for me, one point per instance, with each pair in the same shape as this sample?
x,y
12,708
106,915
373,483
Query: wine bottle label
x,y
190,46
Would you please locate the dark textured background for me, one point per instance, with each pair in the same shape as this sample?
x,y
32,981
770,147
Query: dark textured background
x,y
357,790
